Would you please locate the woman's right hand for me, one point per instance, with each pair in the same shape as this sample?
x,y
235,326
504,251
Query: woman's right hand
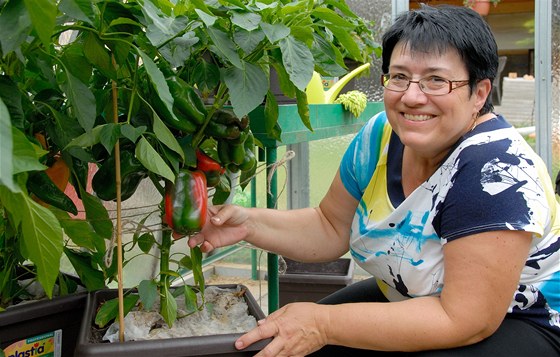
x,y
226,225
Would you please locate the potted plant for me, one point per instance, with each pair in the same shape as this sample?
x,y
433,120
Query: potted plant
x,y
480,6
121,87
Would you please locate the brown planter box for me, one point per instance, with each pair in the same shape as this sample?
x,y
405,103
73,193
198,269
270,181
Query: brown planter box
x,y
214,345
313,281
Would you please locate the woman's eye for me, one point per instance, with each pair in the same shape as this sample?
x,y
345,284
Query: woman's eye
x,y
398,77
436,80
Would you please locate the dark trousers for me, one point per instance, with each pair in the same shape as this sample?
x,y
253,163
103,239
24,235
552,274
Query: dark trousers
x,y
515,337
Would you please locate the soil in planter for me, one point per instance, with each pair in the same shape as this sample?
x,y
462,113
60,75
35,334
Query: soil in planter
x,y
226,312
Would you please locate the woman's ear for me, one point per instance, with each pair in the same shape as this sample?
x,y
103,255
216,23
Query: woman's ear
x,y
483,90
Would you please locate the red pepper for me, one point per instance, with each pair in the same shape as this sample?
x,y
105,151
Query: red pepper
x,y
212,169
205,163
186,202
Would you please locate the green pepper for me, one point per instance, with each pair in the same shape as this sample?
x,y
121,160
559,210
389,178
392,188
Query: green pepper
x,y
237,153
223,152
175,118
40,184
186,201
132,172
186,103
222,131
249,160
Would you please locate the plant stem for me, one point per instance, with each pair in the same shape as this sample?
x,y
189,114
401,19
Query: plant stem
x,y
165,249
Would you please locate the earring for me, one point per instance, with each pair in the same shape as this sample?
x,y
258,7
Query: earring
x,y
475,118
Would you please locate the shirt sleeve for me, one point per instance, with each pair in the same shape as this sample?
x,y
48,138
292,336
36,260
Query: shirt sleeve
x,y
496,187
360,159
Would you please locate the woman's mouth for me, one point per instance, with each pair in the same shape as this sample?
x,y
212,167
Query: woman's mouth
x,y
417,117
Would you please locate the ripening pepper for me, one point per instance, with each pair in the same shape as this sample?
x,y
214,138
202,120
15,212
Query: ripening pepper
x,y
132,172
212,169
186,201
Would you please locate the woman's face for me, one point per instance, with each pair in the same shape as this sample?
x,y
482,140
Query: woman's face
x,y
428,124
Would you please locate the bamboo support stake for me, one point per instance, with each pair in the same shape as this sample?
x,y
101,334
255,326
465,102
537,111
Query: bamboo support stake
x,y
117,154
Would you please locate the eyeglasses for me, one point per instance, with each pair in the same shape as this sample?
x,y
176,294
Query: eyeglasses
x,y
432,85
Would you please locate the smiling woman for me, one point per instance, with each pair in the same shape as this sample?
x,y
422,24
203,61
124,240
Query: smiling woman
x,y
439,199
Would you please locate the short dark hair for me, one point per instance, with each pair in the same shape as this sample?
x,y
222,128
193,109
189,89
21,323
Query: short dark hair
x,y
438,29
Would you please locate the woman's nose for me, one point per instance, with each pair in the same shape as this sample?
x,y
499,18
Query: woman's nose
x,y
414,95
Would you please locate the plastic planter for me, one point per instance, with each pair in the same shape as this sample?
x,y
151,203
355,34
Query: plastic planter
x,y
22,324
213,345
313,281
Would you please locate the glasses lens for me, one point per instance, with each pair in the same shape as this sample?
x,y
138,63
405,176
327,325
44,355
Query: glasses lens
x,y
395,83
434,85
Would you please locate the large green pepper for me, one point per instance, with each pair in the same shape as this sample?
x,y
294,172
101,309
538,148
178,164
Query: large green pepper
x,y
186,201
188,109
186,101
132,172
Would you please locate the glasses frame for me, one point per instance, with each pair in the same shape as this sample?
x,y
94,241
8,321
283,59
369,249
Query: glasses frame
x,y
451,88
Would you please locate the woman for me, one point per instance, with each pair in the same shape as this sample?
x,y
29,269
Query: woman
x,y
439,199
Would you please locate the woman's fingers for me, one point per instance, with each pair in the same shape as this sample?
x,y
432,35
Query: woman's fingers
x,y
262,331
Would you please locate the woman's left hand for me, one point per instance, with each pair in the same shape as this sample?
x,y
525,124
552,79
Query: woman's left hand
x,y
298,329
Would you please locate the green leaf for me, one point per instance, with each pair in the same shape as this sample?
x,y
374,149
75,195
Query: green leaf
x,y
224,46
198,275
78,9
271,115
248,40
83,264
147,289
191,299
186,262
43,17
162,27
331,16
132,133
97,214
82,101
166,137
109,135
15,26
146,241
168,308
298,60
158,81
11,97
246,20
6,146
25,154
89,138
247,87
275,32
303,109
346,40
41,235
151,160
79,231
74,61
110,309
98,55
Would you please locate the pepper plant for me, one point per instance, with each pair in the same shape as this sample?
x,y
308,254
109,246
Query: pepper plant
x,y
163,89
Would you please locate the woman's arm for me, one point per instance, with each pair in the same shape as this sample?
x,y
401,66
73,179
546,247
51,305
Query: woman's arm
x,y
481,274
307,234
